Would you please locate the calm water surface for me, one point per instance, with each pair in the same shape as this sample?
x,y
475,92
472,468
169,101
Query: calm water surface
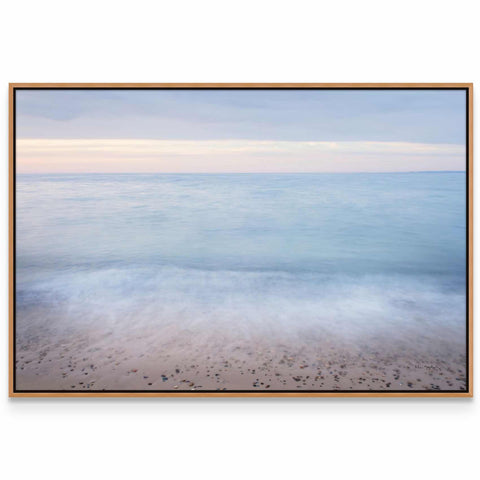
x,y
345,252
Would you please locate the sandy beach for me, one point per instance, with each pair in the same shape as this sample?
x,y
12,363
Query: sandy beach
x,y
99,361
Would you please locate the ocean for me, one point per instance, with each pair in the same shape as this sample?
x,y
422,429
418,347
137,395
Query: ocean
x,y
287,256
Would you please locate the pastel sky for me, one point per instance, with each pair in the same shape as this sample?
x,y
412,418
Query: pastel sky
x,y
63,131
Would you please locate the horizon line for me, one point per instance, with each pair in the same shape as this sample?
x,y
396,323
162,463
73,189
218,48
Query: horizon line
x,y
241,173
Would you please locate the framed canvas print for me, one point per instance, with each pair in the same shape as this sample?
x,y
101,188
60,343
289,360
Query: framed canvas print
x,y
241,240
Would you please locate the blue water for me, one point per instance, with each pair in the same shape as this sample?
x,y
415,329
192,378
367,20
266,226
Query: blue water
x,y
347,252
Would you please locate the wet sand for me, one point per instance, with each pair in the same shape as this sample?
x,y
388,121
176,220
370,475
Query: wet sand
x,y
182,360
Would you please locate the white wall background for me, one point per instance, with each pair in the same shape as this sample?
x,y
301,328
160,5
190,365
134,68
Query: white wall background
x,y
222,41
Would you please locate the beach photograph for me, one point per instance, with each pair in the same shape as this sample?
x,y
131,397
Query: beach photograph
x,y
241,240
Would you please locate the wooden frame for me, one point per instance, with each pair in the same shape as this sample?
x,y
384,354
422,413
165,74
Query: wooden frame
x,y
467,86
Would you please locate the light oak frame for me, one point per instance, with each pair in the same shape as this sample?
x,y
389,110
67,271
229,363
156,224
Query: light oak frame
x,y
467,86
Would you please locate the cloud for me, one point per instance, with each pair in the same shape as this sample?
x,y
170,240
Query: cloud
x,y
421,116
151,155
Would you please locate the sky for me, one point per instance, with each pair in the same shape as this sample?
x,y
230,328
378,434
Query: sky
x,y
103,131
